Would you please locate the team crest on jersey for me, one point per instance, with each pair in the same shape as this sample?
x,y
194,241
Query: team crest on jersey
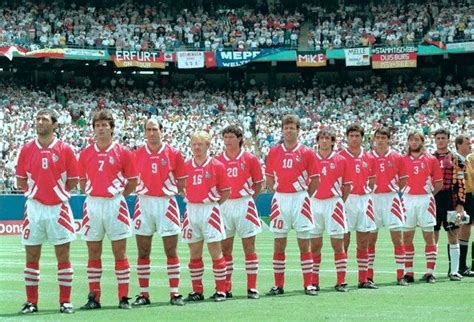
x,y
163,162
390,165
298,159
364,164
111,160
242,166
423,165
55,157
332,166
207,175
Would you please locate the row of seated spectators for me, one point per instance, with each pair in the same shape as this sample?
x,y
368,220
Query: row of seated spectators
x,y
391,24
131,26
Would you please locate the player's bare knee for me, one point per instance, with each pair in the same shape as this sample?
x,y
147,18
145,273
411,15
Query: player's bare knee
x,y
62,253
453,236
33,253
280,244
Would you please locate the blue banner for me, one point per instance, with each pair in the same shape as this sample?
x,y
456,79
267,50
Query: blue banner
x,y
240,58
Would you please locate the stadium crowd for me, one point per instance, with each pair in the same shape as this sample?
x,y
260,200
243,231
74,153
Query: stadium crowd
x,y
130,26
422,105
390,24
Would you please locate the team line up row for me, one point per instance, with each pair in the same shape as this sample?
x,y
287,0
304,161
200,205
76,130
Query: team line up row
x,y
311,191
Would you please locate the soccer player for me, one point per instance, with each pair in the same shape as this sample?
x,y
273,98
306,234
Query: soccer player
x,y
327,206
239,211
423,182
463,147
46,171
206,188
162,175
360,214
388,208
451,197
291,172
107,175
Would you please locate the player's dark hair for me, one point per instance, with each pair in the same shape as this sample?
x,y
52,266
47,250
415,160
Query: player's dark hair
x,y
234,129
290,119
52,114
103,115
355,128
441,131
327,133
383,131
160,126
460,140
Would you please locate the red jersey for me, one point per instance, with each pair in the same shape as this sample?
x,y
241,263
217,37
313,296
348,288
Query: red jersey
x,y
106,171
205,183
388,171
47,169
334,173
422,172
159,171
361,169
292,169
243,172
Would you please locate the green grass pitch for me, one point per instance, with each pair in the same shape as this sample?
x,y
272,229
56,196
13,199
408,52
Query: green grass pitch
x,y
445,300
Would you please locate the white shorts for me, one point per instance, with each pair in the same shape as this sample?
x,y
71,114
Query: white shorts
x,y
388,209
42,223
420,211
241,217
329,215
156,214
360,213
291,210
102,216
203,222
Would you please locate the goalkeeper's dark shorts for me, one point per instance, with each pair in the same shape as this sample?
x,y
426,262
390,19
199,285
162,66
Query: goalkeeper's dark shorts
x,y
469,206
444,203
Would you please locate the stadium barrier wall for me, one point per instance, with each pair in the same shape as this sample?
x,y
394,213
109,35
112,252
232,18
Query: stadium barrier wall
x,y
11,210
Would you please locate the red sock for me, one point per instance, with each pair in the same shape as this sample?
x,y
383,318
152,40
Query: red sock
x,y
362,262
173,269
430,253
370,270
400,261
32,277
340,260
409,255
279,269
65,276
219,269
229,260
251,267
306,260
122,272
143,272
196,270
94,273
316,265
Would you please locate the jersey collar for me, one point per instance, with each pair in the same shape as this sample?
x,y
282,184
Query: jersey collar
x,y
228,158
162,147
50,146
385,155
293,150
320,157
355,156
96,147
195,165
